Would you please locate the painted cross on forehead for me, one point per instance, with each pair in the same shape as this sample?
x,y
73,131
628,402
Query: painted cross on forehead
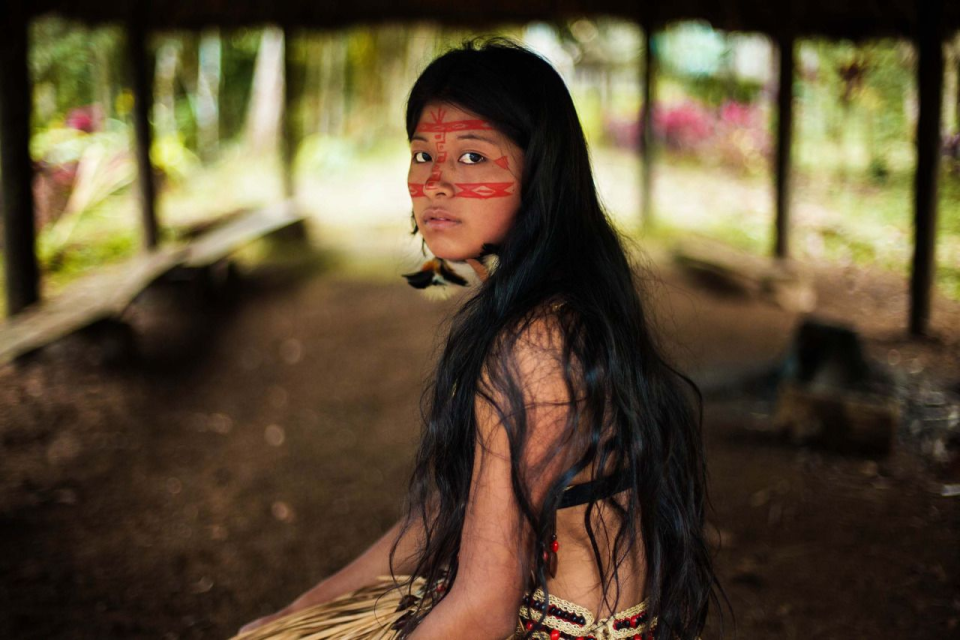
x,y
438,130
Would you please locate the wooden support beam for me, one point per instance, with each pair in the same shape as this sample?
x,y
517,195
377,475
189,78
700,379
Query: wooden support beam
x,y
781,248
647,144
288,124
930,68
141,67
956,104
16,170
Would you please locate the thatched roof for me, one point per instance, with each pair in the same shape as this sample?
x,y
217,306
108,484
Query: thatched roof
x,y
834,18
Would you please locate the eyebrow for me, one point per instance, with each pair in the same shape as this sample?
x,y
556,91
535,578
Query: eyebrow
x,y
473,136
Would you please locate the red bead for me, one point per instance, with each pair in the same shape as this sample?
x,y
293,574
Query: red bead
x,y
545,555
634,620
554,635
554,546
529,625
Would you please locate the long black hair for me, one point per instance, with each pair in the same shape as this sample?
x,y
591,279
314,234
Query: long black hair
x,y
632,404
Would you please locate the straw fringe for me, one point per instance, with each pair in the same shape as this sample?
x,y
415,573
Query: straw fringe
x,y
370,612
364,614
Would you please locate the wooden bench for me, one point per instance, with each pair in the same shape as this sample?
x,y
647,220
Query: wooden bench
x,y
220,242
105,294
725,269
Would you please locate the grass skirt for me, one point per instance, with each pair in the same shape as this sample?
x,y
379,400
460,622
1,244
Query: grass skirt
x,y
375,612
369,613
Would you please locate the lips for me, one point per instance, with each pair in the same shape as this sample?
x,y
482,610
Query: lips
x,y
437,214
435,218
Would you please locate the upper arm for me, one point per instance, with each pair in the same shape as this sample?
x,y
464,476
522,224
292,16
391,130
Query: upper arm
x,y
497,547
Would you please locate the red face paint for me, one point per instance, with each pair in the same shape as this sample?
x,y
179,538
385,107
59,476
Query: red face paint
x,y
439,130
439,126
464,189
440,137
463,181
416,190
483,190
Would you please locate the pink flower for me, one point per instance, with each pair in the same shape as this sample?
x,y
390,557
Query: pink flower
x,y
87,119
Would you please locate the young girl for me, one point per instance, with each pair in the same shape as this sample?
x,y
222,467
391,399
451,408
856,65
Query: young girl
x,y
559,487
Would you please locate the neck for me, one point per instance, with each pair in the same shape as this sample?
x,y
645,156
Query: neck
x,y
478,268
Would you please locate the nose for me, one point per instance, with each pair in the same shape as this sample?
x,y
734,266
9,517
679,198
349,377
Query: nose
x,y
438,185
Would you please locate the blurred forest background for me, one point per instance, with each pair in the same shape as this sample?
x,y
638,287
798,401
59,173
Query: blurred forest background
x,y
218,96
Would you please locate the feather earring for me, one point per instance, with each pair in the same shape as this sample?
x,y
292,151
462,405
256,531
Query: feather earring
x,y
489,258
435,278
490,261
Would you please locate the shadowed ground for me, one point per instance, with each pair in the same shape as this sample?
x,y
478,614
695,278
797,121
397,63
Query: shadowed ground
x,y
257,447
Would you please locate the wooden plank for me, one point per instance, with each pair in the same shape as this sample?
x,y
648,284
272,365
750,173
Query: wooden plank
x,y
226,239
110,290
781,247
16,172
719,266
930,67
104,294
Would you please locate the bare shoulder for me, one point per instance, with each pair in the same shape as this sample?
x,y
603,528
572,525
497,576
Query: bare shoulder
x,y
541,332
531,354
526,390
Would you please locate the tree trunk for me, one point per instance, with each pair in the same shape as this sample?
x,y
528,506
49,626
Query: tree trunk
x,y
208,94
168,58
266,97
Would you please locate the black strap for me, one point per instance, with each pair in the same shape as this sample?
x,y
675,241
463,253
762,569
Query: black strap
x,y
599,489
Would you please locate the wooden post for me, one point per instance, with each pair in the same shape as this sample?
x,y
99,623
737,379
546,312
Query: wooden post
x,y
956,113
647,145
16,188
930,82
781,248
141,63
288,128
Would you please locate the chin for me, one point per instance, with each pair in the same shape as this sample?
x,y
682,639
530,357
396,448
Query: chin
x,y
449,251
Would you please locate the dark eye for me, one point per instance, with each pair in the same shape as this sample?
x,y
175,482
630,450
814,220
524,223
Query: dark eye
x,y
421,156
471,158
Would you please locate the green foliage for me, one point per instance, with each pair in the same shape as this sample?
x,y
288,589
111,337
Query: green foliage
x,y
854,100
854,157
700,61
879,170
173,159
62,266
322,155
62,145
715,90
238,57
72,65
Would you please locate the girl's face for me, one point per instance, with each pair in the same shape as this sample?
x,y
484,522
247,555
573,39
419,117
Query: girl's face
x,y
464,181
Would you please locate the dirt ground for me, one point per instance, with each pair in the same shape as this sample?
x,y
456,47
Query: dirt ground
x,y
254,447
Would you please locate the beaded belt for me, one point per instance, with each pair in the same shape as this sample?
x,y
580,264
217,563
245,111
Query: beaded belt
x,y
572,622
